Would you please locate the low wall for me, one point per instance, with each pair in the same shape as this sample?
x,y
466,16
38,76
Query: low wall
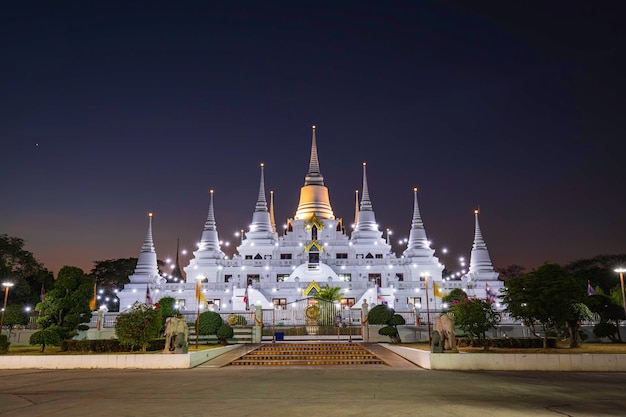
x,y
112,361
512,361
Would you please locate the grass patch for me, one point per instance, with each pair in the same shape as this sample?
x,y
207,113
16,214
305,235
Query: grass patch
x,y
56,350
562,348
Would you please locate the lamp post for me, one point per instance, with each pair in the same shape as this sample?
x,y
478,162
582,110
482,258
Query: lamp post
x,y
620,271
6,286
430,340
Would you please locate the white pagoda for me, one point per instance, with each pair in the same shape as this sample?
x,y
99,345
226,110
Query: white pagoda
x,y
276,269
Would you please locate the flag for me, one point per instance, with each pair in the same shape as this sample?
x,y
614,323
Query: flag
x,y
148,297
590,290
437,291
245,299
491,295
42,297
92,302
199,295
379,296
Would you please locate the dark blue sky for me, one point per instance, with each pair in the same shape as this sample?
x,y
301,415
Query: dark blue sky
x,y
113,109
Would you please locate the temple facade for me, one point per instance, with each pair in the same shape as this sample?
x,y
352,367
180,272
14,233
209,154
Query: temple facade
x,y
277,269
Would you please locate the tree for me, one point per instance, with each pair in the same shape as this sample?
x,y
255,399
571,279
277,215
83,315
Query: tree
x,y
577,313
66,305
544,296
456,295
328,293
14,315
383,314
138,326
209,322
49,336
510,272
599,270
21,268
166,305
609,312
327,299
475,316
113,273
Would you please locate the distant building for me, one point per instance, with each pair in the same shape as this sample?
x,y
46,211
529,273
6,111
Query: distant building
x,y
276,269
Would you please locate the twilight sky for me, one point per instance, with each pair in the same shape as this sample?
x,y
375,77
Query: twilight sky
x,y
112,109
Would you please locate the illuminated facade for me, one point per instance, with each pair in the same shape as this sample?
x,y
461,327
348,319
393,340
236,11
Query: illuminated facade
x,y
274,268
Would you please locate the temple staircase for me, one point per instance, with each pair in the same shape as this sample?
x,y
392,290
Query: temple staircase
x,y
293,354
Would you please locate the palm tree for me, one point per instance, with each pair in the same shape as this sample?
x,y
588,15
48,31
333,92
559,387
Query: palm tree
x,y
329,294
327,298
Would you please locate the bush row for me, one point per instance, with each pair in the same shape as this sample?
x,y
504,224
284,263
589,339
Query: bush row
x,y
106,345
4,343
508,342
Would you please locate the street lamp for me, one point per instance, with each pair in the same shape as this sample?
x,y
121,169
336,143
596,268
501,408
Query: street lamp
x,y
426,275
621,271
6,286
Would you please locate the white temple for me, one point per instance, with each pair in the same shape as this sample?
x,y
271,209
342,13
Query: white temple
x,y
274,270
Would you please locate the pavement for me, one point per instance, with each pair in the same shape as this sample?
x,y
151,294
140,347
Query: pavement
x,y
397,389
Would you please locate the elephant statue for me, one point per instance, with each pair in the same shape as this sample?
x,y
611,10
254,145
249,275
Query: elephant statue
x,y
444,325
176,335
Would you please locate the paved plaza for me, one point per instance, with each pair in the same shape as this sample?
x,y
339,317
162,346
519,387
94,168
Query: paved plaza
x,y
362,391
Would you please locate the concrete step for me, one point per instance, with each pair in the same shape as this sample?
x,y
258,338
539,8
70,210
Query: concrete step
x,y
309,354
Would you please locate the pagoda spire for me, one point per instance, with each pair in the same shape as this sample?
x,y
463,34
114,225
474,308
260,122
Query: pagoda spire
x,y
147,260
261,203
314,199
366,204
366,228
209,242
314,176
261,217
417,236
176,272
210,220
356,207
148,243
480,261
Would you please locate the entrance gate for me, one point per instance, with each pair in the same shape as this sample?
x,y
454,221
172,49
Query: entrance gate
x,y
311,319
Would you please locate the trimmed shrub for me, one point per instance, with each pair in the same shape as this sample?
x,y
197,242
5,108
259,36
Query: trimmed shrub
x,y
106,346
380,314
605,330
138,326
4,343
509,342
45,337
224,332
210,321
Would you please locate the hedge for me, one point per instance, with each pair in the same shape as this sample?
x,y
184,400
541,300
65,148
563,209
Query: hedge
x,y
508,342
106,345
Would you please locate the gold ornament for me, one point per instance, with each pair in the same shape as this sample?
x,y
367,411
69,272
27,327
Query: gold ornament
x,y
312,312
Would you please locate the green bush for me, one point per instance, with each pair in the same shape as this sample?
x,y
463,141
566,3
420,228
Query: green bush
x,y
210,321
138,326
383,314
166,305
107,346
45,337
509,342
380,314
4,343
224,332
605,330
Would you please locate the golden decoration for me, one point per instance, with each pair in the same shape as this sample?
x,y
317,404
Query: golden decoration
x,y
312,312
